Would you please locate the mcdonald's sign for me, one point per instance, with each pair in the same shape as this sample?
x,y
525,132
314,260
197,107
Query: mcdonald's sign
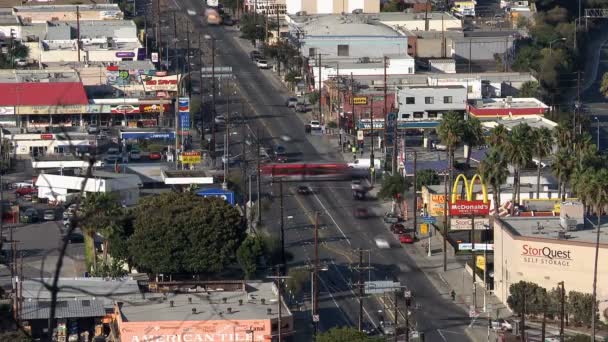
x,y
469,207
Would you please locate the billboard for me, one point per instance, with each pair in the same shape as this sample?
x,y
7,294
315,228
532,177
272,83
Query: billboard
x,y
469,208
227,195
160,83
184,115
154,108
464,223
191,157
125,109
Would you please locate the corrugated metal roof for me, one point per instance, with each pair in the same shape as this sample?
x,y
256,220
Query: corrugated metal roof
x,y
72,308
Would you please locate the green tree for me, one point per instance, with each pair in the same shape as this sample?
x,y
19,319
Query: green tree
x,y
298,278
493,169
450,130
497,138
604,85
394,188
529,89
118,239
473,136
426,177
184,233
392,6
580,306
313,97
530,293
542,141
99,213
518,152
343,334
562,167
248,255
253,27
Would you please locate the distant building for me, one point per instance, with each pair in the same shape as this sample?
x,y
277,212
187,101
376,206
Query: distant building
x,y
427,103
417,6
436,21
269,7
44,13
309,7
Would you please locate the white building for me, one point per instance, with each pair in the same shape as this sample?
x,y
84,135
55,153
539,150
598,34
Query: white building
x,y
24,146
59,187
331,6
437,21
421,103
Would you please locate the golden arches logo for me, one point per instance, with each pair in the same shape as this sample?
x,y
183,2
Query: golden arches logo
x,y
468,187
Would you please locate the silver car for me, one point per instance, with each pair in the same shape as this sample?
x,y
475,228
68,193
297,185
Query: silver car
x,y
49,215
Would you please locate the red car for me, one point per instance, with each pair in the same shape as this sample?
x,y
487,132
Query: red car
x,y
406,238
154,156
360,213
26,190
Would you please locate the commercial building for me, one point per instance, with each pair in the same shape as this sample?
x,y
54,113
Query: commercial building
x,y
546,251
59,187
433,21
426,103
331,6
269,7
493,108
27,145
219,311
44,13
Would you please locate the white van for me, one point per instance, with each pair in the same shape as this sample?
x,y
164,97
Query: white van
x,y
365,164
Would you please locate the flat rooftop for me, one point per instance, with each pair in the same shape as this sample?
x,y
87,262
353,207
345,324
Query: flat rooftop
x,y
501,103
185,173
38,76
534,121
528,227
208,305
347,25
435,87
67,6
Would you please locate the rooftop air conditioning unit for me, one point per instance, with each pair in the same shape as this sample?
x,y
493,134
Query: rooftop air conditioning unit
x,y
568,223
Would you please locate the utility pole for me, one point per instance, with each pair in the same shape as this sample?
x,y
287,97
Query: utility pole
x,y
371,155
77,31
473,260
385,104
283,262
200,79
244,165
213,86
416,197
259,202
278,42
361,285
315,304
321,93
279,277
188,57
523,316
338,86
352,104
562,311
544,323
159,45
396,313
445,222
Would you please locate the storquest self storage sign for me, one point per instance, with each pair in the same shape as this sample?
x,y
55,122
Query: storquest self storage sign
x,y
546,256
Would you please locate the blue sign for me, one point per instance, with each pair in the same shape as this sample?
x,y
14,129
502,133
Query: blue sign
x,y
184,114
429,219
227,195
148,135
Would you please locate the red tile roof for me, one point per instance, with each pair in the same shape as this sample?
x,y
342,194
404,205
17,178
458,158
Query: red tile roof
x,y
42,94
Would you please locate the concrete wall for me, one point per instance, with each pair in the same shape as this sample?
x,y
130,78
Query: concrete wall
x,y
62,56
459,96
396,67
373,47
481,48
511,265
449,23
472,85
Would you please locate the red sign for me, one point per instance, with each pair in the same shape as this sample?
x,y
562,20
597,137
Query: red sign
x,y
154,108
161,82
46,137
469,208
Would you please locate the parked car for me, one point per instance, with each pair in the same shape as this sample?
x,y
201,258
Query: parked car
x,y
220,120
30,215
25,190
49,215
406,238
93,129
382,244
502,324
135,155
398,228
291,102
262,64
228,21
391,218
154,156
112,159
113,150
314,124
301,108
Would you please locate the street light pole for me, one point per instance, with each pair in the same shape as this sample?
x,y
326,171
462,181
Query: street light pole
x,y
551,43
597,121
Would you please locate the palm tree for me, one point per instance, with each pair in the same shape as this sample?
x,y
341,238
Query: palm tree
x,y
563,135
100,213
494,171
473,135
598,194
542,145
604,85
518,152
498,137
562,169
451,130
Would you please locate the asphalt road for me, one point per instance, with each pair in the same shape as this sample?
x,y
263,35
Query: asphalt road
x,y
341,233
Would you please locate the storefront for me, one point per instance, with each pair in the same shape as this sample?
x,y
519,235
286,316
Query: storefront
x,y
24,146
540,251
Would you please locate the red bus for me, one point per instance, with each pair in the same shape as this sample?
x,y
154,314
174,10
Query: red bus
x,y
307,171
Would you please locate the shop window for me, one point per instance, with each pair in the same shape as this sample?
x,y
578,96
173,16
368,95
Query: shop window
x,y
418,115
469,89
410,100
312,52
447,99
432,115
405,116
429,100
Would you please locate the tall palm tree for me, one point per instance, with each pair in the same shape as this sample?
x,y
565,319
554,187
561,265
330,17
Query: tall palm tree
x,y
498,137
563,135
450,131
473,135
562,169
518,152
543,145
494,171
99,213
598,194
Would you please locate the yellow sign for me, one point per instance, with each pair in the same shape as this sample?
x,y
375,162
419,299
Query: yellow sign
x,y
468,187
360,100
191,157
437,204
480,262
424,228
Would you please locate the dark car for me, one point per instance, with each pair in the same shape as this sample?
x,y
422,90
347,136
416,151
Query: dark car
x,y
227,21
391,218
280,154
397,228
304,190
361,213
30,215
255,54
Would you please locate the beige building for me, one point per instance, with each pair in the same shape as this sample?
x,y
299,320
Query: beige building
x,y
44,13
332,6
540,250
